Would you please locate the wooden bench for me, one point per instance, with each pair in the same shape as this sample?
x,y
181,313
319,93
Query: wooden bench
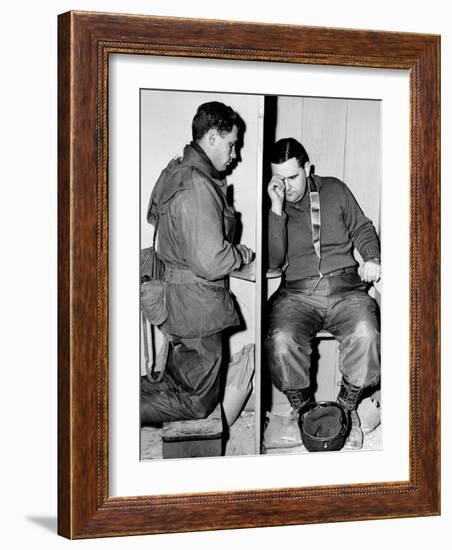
x,y
193,438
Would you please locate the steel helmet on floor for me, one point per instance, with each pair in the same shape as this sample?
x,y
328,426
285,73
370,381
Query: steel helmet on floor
x,y
324,425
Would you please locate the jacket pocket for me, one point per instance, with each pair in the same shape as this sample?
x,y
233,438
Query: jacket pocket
x,y
153,301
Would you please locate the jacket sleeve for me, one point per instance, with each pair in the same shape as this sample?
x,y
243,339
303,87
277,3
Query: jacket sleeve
x,y
277,239
207,252
361,229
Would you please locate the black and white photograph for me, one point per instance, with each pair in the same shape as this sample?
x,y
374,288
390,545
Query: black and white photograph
x,y
260,274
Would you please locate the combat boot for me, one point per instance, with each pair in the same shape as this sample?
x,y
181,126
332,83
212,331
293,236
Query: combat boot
x,y
349,397
283,431
298,399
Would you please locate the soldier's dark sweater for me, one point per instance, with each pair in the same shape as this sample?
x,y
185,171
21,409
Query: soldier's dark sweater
x,y
343,225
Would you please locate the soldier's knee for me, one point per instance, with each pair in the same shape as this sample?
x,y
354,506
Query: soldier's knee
x,y
367,333
201,407
279,341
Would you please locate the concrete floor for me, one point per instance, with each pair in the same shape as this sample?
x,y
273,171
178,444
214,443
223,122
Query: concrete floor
x,y
242,440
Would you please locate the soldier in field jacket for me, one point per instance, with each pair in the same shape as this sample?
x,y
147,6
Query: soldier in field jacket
x,y
194,227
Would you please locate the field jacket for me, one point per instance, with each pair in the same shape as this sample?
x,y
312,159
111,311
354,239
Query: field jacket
x,y
194,232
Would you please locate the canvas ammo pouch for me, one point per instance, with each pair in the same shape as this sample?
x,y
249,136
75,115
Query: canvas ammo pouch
x,y
153,287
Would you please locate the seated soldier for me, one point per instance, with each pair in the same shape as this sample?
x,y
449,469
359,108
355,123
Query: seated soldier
x,y
314,224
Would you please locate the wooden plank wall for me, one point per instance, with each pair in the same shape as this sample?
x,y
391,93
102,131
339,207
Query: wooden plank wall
x,y
342,138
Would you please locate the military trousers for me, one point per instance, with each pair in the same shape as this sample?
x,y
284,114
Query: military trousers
x,y
190,386
339,305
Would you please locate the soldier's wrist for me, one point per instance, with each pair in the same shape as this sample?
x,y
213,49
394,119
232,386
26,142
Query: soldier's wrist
x,y
277,209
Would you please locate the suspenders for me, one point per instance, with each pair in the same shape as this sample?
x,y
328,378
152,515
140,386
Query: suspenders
x,y
315,217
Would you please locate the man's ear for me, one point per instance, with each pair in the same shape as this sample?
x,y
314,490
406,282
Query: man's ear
x,y
307,168
211,135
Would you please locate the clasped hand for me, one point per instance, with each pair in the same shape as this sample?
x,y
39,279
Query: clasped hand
x,y
246,253
370,271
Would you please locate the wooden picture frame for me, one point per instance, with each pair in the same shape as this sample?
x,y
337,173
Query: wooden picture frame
x,y
86,40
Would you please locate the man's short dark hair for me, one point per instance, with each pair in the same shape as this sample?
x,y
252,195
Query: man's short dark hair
x,y
287,148
214,115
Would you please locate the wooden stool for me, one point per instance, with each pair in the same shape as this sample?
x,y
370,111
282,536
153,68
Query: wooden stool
x,y
190,438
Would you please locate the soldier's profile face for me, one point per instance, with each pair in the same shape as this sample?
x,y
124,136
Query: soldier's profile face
x,y
294,178
223,150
